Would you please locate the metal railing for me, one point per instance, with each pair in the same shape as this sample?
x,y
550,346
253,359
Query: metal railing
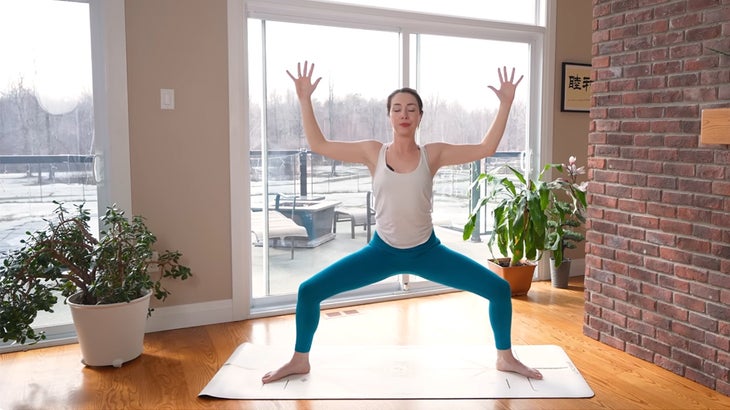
x,y
38,164
294,172
301,172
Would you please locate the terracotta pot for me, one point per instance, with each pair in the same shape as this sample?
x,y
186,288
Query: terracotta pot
x,y
519,277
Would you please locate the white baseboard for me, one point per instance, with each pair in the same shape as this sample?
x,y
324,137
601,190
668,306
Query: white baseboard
x,y
163,318
194,314
578,267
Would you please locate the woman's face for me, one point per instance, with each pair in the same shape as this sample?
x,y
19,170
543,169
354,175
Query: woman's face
x,y
405,115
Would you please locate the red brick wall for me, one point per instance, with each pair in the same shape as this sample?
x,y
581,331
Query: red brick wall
x,y
658,239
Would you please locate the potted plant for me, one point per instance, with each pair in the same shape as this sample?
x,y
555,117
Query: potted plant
x,y
564,217
521,219
120,271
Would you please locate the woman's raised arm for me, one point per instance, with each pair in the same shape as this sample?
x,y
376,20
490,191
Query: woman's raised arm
x,y
444,154
363,152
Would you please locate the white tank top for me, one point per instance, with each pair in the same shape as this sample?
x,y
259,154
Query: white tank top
x,y
403,203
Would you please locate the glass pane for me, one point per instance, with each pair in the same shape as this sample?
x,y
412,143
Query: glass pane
x,y
290,182
46,119
515,11
459,108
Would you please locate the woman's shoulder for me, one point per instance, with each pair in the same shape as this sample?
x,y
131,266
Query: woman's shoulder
x,y
433,149
373,146
372,150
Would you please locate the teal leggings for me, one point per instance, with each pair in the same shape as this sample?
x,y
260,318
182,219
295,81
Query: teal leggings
x,y
378,260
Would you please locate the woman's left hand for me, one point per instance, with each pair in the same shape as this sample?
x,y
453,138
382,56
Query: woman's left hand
x,y
507,86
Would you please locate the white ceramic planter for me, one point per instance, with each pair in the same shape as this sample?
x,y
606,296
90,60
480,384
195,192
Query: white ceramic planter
x,y
110,335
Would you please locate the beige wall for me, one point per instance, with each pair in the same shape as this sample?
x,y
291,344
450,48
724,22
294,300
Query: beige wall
x,y
179,158
572,44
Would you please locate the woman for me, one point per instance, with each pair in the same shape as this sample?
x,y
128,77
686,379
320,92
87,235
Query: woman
x,y
404,240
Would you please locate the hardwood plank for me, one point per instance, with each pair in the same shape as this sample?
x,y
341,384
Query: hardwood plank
x,y
177,364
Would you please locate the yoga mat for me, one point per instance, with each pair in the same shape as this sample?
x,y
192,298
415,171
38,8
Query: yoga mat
x,y
397,372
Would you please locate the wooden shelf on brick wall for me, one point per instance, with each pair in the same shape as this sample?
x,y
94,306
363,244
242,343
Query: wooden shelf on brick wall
x,y
715,126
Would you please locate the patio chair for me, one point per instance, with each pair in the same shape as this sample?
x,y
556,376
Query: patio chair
x,y
357,216
281,227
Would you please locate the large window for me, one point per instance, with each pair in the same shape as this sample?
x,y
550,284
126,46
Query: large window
x,y
363,54
56,129
46,120
46,111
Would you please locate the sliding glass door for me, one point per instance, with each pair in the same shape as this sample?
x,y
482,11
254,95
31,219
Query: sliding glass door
x,y
459,108
292,186
362,55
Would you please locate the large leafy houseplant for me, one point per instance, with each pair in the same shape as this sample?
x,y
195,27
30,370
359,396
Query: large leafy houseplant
x,y
66,258
524,211
566,213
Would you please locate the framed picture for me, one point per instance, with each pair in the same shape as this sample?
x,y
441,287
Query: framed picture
x,y
575,95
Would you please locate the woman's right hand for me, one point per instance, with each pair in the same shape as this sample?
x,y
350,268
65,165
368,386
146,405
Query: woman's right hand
x,y
303,80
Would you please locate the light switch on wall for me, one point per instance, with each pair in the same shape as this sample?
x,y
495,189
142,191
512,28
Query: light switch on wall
x,y
167,99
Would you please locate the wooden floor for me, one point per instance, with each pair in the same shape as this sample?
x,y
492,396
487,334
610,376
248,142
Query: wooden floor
x,y
177,364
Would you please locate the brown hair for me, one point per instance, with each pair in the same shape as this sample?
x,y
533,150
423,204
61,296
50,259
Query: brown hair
x,y
407,90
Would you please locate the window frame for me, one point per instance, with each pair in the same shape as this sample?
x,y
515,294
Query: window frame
x,y
539,39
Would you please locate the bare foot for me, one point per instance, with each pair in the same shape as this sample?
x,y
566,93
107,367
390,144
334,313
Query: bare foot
x,y
299,364
507,362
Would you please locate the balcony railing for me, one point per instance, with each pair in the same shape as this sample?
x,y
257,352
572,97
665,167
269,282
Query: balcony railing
x,y
39,179
303,173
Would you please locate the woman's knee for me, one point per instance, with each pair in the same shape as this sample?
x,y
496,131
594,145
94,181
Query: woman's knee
x,y
307,290
502,288
318,288
498,290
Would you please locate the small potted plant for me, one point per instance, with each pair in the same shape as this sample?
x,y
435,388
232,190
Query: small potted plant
x,y
521,220
565,216
101,278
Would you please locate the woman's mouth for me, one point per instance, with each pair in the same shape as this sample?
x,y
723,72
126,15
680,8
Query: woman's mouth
x,y
405,124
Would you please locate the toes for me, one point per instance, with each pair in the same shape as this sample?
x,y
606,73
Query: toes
x,y
267,377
